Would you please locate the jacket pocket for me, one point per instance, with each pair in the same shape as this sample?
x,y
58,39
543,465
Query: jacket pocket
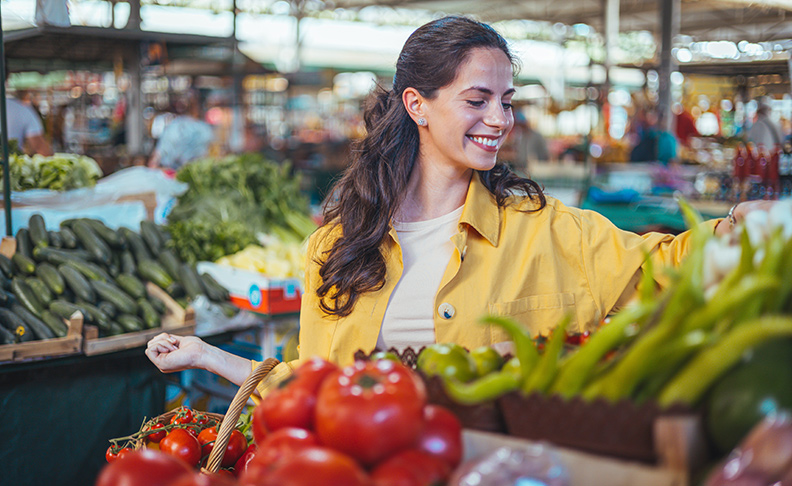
x,y
539,313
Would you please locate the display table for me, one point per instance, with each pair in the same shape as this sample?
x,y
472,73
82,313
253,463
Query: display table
x,y
653,215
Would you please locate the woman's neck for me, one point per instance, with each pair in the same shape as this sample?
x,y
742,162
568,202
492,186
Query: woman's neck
x,y
432,193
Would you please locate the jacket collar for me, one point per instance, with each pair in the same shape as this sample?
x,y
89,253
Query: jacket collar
x,y
481,212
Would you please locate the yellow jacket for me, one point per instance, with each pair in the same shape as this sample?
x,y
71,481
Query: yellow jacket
x,y
534,267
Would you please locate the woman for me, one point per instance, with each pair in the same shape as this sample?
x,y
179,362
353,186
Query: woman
x,y
427,232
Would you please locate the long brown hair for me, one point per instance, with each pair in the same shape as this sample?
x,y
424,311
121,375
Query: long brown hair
x,y
366,197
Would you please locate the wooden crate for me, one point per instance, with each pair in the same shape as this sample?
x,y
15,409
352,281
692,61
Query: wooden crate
x,y
176,320
70,344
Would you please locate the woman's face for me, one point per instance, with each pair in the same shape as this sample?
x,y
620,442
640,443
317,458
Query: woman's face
x,y
468,120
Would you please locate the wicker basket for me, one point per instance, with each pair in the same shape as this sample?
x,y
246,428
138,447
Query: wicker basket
x,y
227,423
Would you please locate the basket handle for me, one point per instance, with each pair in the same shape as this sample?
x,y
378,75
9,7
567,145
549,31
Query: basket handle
x,y
234,411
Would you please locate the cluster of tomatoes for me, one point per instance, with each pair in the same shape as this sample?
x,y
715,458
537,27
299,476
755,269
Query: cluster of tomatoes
x,y
367,424
190,437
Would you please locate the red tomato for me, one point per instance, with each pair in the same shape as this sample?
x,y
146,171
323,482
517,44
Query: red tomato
x,y
183,416
180,443
201,419
234,450
156,436
441,435
197,479
242,463
411,468
123,452
290,438
111,454
370,410
292,404
143,468
308,467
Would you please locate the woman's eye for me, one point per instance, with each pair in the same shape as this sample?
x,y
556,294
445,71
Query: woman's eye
x,y
507,106
475,103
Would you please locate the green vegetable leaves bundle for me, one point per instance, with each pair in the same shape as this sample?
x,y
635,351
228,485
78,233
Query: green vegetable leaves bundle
x,y
59,172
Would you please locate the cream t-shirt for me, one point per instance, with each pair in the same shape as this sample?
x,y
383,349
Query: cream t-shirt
x,y
426,250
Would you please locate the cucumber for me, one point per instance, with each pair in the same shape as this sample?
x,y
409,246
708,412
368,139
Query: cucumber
x,y
99,250
110,236
215,291
56,324
91,271
6,337
115,329
131,285
108,308
114,269
157,304
23,243
136,244
23,264
152,237
38,231
39,328
58,256
5,282
68,236
150,316
124,303
55,239
128,263
6,298
96,314
78,283
191,281
26,297
153,271
175,290
51,277
229,309
170,262
6,267
65,309
130,323
14,323
41,290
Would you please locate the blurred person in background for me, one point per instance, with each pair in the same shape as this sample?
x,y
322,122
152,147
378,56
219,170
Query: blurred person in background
x,y
24,126
685,125
655,143
765,132
530,145
184,138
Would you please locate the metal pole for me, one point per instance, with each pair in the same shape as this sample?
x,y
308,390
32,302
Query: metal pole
x,y
4,138
669,26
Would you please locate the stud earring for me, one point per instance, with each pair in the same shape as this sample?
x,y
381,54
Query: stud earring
x,y
422,122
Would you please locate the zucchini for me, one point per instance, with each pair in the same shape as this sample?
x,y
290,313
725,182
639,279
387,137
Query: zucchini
x,y
182,302
136,244
5,266
40,289
14,323
6,298
108,308
128,263
130,323
65,310
152,237
56,324
150,270
58,256
26,297
77,282
39,328
124,303
114,269
131,285
157,304
110,236
115,329
191,281
215,291
38,231
51,277
5,283
91,271
68,236
55,239
150,316
23,264
96,314
175,290
6,337
23,243
99,250
170,262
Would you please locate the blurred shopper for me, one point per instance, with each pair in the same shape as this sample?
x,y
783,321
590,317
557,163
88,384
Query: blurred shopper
x,y
765,132
24,126
655,144
184,139
426,231
685,125
530,144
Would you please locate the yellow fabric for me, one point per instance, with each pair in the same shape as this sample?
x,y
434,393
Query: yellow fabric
x,y
534,267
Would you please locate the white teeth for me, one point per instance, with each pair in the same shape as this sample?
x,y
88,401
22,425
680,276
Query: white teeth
x,y
490,142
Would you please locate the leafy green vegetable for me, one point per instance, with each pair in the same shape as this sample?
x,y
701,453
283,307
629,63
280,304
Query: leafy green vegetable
x,y
59,172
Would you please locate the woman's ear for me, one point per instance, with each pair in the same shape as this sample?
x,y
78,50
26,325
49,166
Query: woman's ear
x,y
414,104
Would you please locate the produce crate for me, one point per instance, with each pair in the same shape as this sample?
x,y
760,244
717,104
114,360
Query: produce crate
x,y
47,348
256,292
176,320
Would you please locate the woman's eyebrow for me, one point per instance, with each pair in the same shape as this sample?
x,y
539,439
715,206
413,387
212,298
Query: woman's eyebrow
x,y
488,91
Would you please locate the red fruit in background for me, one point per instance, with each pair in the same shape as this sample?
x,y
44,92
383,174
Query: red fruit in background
x,y
309,467
220,478
156,436
181,444
370,410
411,468
145,467
291,438
279,445
441,435
242,463
111,454
293,402
234,450
183,416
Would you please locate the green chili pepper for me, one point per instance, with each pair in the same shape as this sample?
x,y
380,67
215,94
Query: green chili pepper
x,y
782,294
648,285
523,344
486,388
544,372
690,384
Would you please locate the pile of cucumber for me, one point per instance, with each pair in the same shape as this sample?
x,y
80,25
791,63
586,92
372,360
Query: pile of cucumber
x,y
101,272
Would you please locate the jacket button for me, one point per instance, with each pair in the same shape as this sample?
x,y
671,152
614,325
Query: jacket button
x,y
446,310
